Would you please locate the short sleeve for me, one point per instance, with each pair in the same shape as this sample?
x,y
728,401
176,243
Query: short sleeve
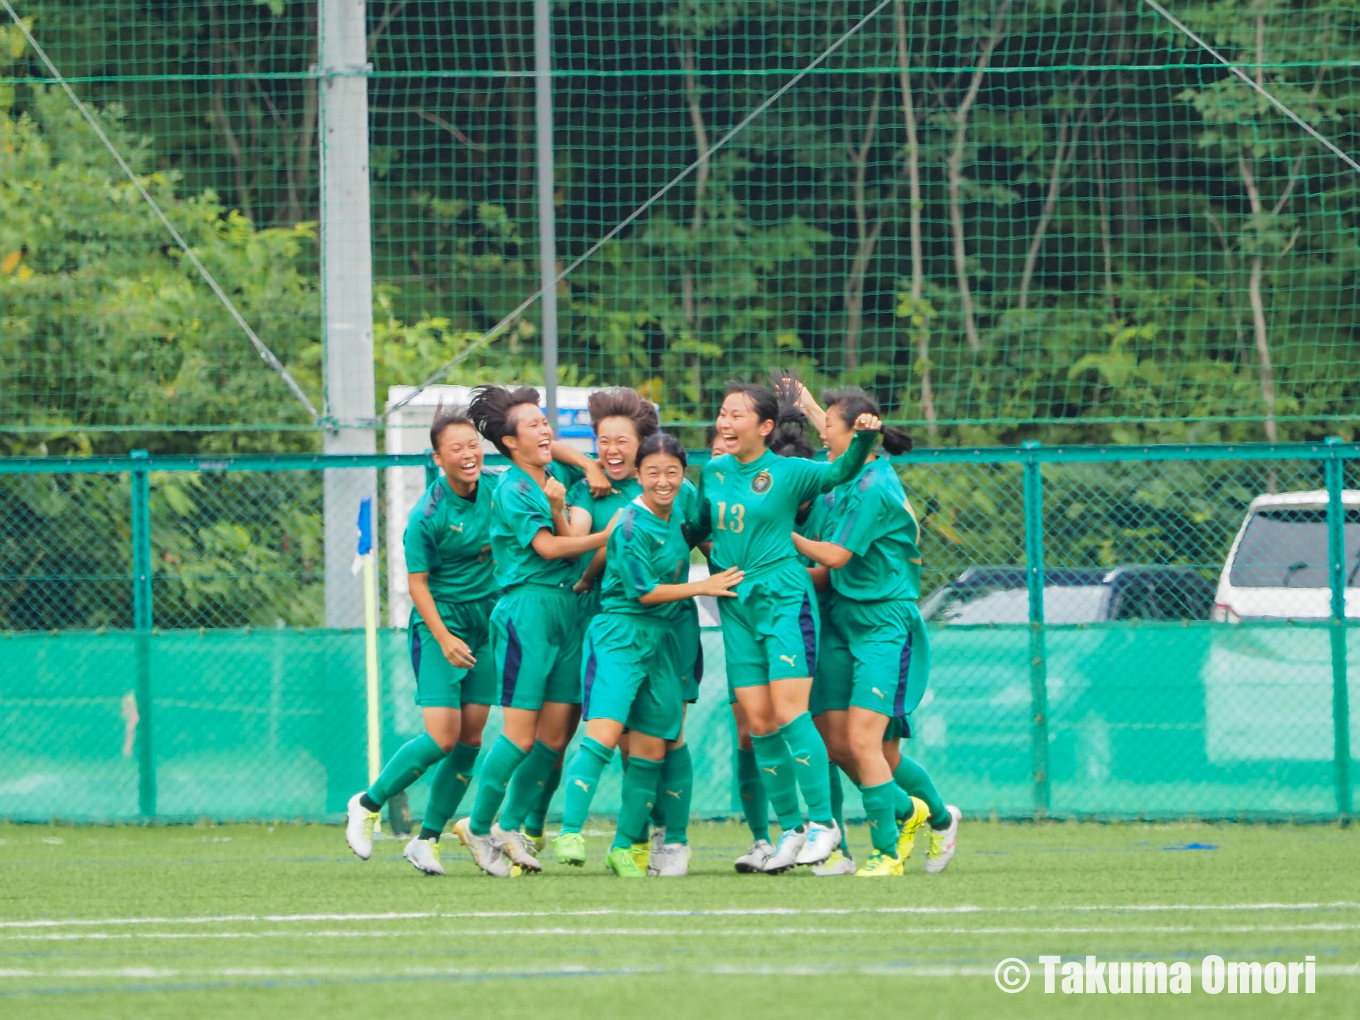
x,y
525,515
627,554
858,524
579,495
567,474
421,555
700,524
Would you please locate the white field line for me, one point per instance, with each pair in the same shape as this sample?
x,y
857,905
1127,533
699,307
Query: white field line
x,y
798,932
130,973
730,912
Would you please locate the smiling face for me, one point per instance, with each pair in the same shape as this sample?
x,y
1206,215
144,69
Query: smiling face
x,y
720,446
836,434
459,454
617,440
741,428
660,476
530,445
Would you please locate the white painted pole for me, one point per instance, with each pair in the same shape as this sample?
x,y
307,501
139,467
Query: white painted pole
x,y
547,227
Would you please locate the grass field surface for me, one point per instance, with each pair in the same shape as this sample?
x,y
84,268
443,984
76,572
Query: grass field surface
x,y
282,921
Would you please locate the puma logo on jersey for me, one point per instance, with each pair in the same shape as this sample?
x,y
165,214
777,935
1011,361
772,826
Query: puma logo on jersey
x,y
791,660
718,475
804,761
462,778
456,527
582,784
878,692
872,824
772,771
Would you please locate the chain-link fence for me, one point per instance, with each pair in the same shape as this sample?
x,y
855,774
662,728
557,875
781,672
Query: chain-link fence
x,y
1116,632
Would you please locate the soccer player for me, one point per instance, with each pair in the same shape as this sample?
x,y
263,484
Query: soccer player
x,y
535,628
632,670
875,560
748,500
453,590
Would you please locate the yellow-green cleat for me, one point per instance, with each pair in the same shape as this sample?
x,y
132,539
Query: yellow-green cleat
x,y
906,836
641,854
880,866
622,863
570,848
538,842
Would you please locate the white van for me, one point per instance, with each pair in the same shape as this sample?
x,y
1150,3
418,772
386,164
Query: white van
x,y
1277,567
1268,689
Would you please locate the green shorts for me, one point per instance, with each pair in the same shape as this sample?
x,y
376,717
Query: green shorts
x,y
536,646
835,669
691,653
631,674
889,651
439,683
770,630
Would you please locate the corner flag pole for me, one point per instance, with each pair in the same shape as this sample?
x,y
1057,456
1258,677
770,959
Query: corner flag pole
x,y
368,559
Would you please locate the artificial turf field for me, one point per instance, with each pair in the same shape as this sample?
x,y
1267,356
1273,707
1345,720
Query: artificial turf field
x,y
281,921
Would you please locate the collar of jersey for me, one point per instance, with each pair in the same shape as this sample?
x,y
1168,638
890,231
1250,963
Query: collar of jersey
x,y
451,494
753,465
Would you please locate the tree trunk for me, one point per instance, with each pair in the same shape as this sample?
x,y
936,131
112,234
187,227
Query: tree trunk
x,y
955,167
866,237
1067,148
922,336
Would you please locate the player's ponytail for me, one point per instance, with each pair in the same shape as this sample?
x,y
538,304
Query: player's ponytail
x,y
492,408
849,403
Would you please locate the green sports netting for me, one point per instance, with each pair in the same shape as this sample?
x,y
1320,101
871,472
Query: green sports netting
x,y
996,216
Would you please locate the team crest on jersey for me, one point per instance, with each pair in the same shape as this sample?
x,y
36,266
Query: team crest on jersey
x,y
762,482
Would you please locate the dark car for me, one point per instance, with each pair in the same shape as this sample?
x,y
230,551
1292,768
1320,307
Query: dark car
x,y
997,595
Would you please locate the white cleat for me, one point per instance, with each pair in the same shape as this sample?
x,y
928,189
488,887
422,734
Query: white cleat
x,y
658,838
517,847
786,852
836,864
486,852
424,856
359,825
753,860
943,843
821,843
669,860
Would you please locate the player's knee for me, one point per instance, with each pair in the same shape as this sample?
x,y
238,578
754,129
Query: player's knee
x,y
865,746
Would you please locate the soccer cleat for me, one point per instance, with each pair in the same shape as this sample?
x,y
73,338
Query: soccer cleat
x,y
570,848
880,866
424,856
536,842
642,854
786,852
906,835
822,841
753,860
836,864
516,846
670,860
943,843
620,861
359,825
486,853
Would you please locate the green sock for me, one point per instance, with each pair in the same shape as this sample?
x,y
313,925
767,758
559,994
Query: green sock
x,y
405,767
902,806
878,808
538,817
583,778
776,773
527,785
754,804
450,782
500,765
677,790
640,784
838,804
643,833
810,766
916,781
657,819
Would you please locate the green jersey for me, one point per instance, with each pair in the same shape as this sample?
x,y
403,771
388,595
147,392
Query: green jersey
x,y
816,526
602,510
644,551
749,509
449,538
873,519
520,512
